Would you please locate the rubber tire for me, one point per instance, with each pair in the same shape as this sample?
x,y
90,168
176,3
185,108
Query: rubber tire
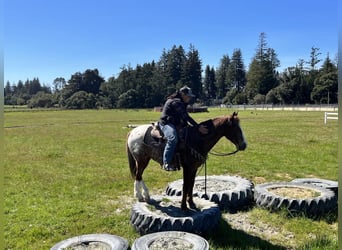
x,y
329,184
159,216
230,199
197,242
113,241
317,206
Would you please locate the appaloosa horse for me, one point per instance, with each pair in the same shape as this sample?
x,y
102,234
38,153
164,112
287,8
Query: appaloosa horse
x,y
141,147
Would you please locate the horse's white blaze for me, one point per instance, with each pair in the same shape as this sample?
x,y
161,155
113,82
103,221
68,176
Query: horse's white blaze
x,y
243,136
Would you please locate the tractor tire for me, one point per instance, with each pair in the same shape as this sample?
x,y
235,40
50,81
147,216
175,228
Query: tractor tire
x,y
231,193
93,241
323,202
163,213
329,184
170,240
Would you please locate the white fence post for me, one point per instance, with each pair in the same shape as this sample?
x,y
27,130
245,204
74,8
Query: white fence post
x,y
330,116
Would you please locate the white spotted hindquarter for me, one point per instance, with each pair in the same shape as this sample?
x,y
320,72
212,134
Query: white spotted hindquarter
x,y
135,140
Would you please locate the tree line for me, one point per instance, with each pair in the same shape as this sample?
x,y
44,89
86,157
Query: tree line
x,y
148,85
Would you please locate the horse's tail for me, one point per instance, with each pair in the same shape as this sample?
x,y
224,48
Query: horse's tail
x,y
131,162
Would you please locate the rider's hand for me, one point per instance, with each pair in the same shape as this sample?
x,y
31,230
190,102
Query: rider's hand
x,y
202,129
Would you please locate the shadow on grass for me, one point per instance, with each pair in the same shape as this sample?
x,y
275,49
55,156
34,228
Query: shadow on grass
x,y
226,237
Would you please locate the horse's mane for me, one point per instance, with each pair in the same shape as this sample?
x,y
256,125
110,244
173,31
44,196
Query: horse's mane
x,y
211,124
219,121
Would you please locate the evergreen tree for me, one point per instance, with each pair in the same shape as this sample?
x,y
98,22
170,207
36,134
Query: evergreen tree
x,y
236,78
175,60
192,72
236,74
222,84
326,84
262,76
314,60
8,94
209,87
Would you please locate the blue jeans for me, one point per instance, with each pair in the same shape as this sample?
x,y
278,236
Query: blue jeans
x,y
170,133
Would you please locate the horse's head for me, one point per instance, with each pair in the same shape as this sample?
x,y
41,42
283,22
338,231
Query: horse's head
x,y
233,132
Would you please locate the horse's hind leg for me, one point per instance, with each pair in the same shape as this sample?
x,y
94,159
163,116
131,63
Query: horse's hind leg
x,y
140,188
146,193
137,191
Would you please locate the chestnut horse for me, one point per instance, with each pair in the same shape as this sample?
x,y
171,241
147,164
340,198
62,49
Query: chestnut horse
x,y
193,151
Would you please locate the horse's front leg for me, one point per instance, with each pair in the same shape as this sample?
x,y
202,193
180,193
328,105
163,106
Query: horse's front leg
x,y
184,194
185,189
190,190
188,184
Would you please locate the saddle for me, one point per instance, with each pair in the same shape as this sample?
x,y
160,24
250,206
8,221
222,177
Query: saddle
x,y
156,132
159,141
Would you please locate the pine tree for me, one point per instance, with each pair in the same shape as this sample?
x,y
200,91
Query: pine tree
x,y
236,74
326,84
314,60
262,75
222,84
209,87
192,71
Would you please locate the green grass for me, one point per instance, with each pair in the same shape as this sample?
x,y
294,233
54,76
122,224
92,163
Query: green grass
x,y
66,174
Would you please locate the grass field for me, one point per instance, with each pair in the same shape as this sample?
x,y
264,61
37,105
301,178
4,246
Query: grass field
x,y
66,174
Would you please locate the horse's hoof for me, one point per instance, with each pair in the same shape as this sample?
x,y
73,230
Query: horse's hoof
x,y
141,199
192,205
184,207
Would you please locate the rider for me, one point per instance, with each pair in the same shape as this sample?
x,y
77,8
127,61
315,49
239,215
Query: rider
x,y
175,116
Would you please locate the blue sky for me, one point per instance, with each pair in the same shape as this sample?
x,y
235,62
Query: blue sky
x,y
50,39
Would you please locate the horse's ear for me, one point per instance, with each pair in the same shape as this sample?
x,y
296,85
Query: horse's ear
x,y
235,114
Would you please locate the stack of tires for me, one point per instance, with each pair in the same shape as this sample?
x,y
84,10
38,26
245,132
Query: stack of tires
x,y
214,194
163,213
161,221
163,225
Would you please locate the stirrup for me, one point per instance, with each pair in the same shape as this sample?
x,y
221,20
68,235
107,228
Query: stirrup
x,y
169,167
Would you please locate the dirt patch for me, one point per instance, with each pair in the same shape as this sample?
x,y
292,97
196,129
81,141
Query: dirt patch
x,y
258,179
166,243
122,203
284,176
242,221
295,193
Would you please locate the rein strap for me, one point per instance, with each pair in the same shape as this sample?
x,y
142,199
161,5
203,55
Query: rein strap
x,y
224,154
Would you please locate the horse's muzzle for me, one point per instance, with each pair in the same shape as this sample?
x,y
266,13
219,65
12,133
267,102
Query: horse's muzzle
x,y
242,146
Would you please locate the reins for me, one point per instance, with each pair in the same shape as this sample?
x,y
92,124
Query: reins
x,y
223,154
205,169
203,159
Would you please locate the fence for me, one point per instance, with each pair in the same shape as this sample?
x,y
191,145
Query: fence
x,y
330,116
326,108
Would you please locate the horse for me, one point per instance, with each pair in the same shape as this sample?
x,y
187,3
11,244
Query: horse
x,y
192,152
